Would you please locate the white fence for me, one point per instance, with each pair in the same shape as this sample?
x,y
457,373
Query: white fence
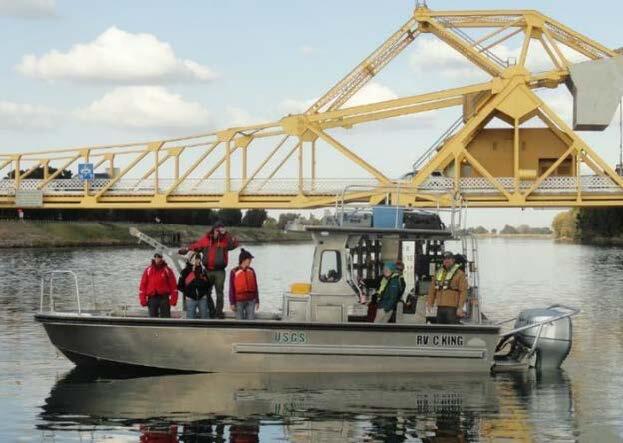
x,y
434,185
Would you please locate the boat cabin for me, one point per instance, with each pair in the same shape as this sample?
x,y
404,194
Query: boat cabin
x,y
347,268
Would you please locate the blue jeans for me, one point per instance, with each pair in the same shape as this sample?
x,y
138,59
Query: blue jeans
x,y
192,305
245,310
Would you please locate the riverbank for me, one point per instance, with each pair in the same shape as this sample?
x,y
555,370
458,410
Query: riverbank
x,y
532,236
30,234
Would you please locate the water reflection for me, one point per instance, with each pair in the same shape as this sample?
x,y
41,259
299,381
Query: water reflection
x,y
581,404
315,407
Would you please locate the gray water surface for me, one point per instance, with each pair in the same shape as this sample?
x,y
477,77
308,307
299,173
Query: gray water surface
x,y
42,398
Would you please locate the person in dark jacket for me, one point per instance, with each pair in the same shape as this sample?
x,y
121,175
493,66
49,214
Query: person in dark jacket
x,y
389,292
158,290
215,246
193,283
244,297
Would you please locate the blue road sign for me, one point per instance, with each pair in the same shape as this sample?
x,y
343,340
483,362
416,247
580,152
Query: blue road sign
x,y
85,171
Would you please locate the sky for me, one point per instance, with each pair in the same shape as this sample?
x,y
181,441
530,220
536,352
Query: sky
x,y
84,73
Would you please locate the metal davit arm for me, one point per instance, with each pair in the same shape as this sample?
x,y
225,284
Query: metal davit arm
x,y
159,247
571,312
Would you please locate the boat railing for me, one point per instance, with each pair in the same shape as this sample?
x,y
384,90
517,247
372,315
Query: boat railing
x,y
539,324
51,277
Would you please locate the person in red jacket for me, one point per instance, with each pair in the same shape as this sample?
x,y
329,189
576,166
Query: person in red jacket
x,y
215,246
158,289
244,297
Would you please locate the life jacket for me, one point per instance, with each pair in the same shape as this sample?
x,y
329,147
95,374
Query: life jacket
x,y
384,282
157,280
443,277
245,284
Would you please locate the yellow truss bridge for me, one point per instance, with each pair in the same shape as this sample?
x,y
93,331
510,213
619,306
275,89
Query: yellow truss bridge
x,y
517,165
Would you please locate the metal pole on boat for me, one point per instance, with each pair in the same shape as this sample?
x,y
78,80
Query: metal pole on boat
x,y
621,136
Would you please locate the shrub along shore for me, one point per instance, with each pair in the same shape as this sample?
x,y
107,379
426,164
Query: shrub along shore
x,y
33,234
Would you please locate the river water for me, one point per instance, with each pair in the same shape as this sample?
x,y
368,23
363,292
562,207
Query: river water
x,y
42,398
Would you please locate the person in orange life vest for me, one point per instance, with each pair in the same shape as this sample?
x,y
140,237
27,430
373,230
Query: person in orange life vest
x,y
215,246
193,283
158,290
244,297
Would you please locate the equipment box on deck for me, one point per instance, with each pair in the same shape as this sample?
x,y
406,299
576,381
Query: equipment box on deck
x,y
389,217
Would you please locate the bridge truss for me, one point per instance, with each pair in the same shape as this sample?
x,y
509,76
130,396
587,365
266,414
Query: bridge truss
x,y
214,170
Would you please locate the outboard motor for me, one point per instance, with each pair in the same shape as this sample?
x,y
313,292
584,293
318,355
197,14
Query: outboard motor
x,y
544,345
553,343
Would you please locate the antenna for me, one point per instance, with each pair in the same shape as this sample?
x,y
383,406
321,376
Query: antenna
x,y
621,132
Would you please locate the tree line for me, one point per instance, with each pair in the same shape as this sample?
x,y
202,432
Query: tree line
x,y
509,230
588,223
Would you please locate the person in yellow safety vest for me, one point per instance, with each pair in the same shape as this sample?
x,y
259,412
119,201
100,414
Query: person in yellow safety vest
x,y
448,291
389,292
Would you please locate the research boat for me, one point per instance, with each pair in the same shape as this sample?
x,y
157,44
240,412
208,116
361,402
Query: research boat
x,y
325,324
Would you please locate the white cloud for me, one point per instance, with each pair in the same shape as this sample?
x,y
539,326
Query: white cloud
x,y
308,50
560,101
371,93
433,57
28,8
26,117
295,106
141,107
239,117
116,56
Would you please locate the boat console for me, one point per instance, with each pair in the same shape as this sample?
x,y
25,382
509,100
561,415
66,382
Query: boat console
x,y
347,266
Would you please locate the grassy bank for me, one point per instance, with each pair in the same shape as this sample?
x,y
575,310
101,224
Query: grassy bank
x,y
62,234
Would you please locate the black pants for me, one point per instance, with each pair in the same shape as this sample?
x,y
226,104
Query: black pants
x,y
446,315
158,306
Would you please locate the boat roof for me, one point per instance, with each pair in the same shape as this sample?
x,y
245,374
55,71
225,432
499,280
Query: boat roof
x,y
419,233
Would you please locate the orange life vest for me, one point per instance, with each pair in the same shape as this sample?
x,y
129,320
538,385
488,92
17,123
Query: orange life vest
x,y
245,284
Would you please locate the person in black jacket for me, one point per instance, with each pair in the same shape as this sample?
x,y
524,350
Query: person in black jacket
x,y
193,282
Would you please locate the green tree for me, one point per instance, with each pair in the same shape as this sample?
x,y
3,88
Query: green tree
x,y
508,229
230,217
254,218
39,173
480,230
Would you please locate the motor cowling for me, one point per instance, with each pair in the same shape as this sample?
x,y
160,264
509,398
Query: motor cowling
x,y
554,341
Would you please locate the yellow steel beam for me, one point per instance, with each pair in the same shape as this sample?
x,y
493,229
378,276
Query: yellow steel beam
x,y
466,49
190,170
128,168
30,171
400,112
280,165
264,162
328,112
354,80
550,170
490,35
59,171
399,103
350,154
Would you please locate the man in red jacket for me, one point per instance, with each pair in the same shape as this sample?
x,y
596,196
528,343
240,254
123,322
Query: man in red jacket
x,y
158,289
215,246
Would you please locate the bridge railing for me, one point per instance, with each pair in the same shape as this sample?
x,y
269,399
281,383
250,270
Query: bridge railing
x,y
590,184
215,186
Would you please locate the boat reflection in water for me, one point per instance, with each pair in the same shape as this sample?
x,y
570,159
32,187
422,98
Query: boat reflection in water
x,y
314,407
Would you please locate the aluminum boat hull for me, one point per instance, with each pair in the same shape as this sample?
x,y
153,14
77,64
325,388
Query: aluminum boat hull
x,y
270,346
